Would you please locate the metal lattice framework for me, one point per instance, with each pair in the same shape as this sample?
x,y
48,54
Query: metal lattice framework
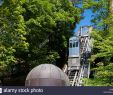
x,y
76,75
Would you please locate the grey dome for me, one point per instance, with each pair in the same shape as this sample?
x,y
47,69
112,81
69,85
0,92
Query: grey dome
x,y
46,75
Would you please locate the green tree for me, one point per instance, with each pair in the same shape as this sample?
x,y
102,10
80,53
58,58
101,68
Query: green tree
x,y
49,20
101,60
33,32
12,32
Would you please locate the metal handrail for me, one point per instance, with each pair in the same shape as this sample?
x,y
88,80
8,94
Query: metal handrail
x,y
65,68
74,80
79,77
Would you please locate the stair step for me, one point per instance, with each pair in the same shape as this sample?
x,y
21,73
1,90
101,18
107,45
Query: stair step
x,y
71,76
70,80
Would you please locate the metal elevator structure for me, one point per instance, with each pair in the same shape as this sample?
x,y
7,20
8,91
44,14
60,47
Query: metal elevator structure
x,y
78,66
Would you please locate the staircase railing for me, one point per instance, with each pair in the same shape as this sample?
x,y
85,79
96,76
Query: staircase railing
x,y
80,77
74,80
65,68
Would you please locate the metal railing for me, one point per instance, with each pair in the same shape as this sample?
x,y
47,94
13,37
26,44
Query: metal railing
x,y
65,68
75,77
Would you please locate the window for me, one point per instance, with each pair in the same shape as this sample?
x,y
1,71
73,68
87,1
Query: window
x,y
70,45
75,44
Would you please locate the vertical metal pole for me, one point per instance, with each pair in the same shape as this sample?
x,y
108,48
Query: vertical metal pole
x,y
80,31
111,6
88,70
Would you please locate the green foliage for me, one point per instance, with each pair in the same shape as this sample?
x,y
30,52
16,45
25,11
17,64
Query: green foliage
x,y
34,32
52,56
52,20
12,31
103,76
101,60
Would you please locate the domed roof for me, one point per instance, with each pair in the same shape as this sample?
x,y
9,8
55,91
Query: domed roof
x,y
47,75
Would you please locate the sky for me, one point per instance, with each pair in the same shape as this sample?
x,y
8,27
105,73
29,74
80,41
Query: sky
x,y
1,2
86,21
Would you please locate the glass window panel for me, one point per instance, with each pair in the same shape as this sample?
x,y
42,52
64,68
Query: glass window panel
x,y
76,44
70,45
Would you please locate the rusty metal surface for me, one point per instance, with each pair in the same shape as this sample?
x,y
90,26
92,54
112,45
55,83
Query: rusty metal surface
x,y
46,75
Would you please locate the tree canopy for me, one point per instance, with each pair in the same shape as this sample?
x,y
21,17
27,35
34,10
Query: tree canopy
x,y
102,57
34,32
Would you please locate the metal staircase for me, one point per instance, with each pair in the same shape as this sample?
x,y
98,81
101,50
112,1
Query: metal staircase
x,y
76,76
73,77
